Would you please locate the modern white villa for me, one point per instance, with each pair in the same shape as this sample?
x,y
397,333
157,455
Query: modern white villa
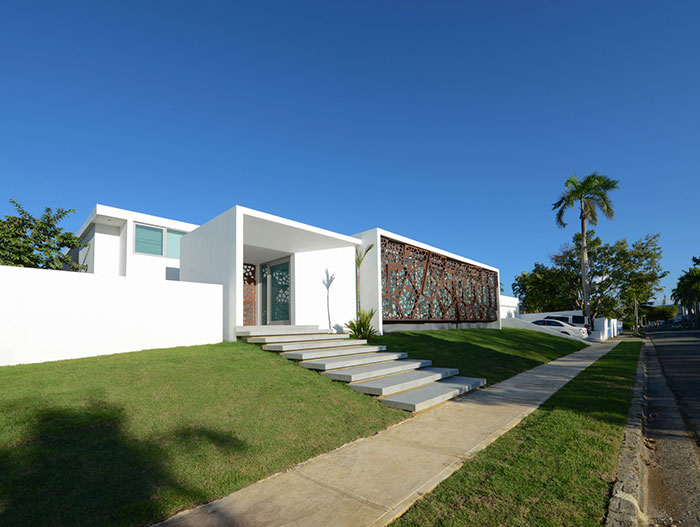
x,y
272,270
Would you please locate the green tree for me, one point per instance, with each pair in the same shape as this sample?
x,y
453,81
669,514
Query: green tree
x,y
619,274
687,293
642,274
590,195
547,289
659,313
26,241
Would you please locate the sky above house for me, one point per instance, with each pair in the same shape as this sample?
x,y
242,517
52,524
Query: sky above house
x,y
453,123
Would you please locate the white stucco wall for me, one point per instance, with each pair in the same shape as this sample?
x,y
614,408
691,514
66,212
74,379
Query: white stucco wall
x,y
213,253
509,306
107,250
371,277
309,293
53,315
110,233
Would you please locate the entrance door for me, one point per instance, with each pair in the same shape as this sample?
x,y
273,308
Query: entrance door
x,y
276,292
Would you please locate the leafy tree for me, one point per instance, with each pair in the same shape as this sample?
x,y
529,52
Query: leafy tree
x,y
687,293
590,195
26,241
619,274
642,274
657,313
547,289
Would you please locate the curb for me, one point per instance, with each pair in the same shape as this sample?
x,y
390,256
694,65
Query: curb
x,y
627,501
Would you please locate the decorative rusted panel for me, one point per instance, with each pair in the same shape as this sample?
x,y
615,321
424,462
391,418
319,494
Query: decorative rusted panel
x,y
249,304
422,286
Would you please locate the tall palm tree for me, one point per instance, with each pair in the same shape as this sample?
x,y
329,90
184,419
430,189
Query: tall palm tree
x,y
590,194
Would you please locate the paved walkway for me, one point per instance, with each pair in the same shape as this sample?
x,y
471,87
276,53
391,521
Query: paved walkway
x,y
371,481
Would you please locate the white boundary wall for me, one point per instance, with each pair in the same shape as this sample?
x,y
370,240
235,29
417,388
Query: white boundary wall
x,y
509,306
54,315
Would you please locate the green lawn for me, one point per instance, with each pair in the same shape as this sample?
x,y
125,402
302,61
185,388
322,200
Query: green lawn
x,y
554,469
130,439
490,353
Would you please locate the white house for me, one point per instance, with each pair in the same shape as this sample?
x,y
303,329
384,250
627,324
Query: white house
x,y
272,270
125,243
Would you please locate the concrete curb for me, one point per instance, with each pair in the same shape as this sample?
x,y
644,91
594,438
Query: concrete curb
x,y
627,503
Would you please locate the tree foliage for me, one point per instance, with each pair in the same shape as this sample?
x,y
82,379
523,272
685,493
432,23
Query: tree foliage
x,y
620,274
660,313
26,241
687,291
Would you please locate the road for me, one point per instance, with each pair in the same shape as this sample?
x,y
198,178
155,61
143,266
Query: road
x,y
673,425
678,352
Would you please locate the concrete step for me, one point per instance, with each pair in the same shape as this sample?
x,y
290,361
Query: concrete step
x,y
350,360
432,394
400,382
259,331
328,353
370,371
300,346
297,338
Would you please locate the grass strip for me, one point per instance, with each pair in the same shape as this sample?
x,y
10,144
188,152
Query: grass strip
x,y
556,468
494,354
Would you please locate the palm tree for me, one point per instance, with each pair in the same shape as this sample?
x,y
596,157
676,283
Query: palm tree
x,y
590,194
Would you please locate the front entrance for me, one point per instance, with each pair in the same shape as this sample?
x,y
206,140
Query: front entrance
x,y
275,292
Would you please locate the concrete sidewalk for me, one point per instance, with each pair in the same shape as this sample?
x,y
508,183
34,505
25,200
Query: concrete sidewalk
x,y
371,481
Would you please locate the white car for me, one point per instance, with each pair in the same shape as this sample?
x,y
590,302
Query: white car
x,y
563,327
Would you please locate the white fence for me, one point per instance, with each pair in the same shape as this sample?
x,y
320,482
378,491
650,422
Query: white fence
x,y
53,315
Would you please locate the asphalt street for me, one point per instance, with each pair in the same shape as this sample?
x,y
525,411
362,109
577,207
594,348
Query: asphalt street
x,y
678,352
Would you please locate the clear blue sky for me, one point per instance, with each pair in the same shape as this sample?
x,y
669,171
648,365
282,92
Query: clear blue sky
x,y
454,123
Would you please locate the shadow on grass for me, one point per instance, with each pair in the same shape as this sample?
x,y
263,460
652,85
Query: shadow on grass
x,y
490,353
79,466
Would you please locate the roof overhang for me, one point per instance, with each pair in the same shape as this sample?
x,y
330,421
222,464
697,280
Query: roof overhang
x,y
273,233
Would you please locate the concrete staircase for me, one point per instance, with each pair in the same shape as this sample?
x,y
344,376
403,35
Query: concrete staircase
x,y
408,384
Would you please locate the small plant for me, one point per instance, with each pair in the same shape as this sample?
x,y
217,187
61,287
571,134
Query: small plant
x,y
361,326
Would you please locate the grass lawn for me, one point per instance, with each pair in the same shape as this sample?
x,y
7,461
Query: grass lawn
x,y
554,469
490,353
130,439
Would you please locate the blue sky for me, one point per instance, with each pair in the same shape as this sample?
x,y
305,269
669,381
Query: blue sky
x,y
454,123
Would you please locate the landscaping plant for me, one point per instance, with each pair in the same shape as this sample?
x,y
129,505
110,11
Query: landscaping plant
x,y
361,326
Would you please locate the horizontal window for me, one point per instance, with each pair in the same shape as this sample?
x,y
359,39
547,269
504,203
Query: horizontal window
x,y
148,240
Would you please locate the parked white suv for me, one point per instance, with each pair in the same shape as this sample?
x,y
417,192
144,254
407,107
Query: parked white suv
x,y
563,327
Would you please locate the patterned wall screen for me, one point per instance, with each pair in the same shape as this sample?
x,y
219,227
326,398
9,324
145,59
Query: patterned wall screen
x,y
249,304
423,286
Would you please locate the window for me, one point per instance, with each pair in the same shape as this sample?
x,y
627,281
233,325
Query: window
x,y
173,243
578,319
157,241
148,240
539,322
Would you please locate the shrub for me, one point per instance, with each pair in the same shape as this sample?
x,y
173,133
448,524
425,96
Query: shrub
x,y
361,326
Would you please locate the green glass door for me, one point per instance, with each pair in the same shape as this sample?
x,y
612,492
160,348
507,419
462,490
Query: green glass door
x,y
276,292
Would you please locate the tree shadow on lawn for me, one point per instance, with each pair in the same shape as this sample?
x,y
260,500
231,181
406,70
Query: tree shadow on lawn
x,y
479,352
78,467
